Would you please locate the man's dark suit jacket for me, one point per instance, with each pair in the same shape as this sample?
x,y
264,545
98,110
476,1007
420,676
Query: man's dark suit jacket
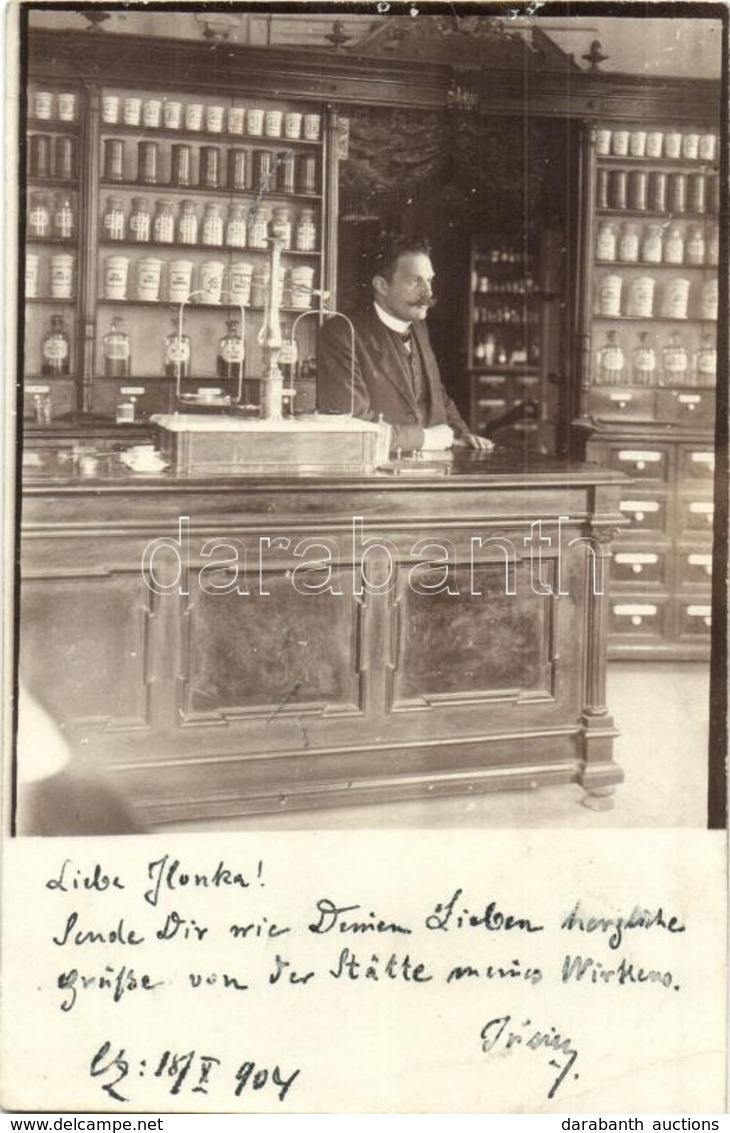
x,y
382,379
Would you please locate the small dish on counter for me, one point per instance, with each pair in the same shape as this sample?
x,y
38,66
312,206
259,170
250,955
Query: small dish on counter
x,y
143,458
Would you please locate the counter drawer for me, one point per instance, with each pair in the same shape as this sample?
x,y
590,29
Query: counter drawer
x,y
644,512
694,619
696,462
696,515
639,568
690,407
695,566
638,618
640,462
621,404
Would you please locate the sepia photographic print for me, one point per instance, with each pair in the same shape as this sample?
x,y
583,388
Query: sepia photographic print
x,y
366,559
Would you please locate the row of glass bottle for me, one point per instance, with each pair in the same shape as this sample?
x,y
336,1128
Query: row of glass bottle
x,y
117,351
673,366
658,243
245,226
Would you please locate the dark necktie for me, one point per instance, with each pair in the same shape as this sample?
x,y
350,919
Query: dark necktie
x,y
414,365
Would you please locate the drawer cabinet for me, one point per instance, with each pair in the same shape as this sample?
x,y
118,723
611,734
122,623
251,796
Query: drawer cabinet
x,y
639,569
640,462
644,512
646,361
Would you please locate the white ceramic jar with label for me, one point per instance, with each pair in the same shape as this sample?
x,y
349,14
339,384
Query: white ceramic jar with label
x,y
67,106
272,123
676,298
603,142
637,143
707,147
235,119
116,269
149,271
194,116
640,297
211,281
654,143
132,111
172,114
214,116
691,146
609,295
152,112
43,104
62,275
179,278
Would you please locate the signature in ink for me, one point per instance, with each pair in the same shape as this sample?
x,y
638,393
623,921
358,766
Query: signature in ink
x,y
503,1035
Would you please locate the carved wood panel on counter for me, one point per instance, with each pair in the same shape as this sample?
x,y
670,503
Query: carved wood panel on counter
x,y
322,665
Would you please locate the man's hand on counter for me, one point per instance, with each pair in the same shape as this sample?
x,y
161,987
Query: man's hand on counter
x,y
437,438
481,444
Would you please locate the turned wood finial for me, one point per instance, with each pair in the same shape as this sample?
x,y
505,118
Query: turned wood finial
x,y
594,55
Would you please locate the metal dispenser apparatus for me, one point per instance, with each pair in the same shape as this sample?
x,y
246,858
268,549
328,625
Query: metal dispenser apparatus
x,y
272,444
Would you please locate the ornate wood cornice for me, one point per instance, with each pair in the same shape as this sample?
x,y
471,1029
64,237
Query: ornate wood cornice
x,y
342,78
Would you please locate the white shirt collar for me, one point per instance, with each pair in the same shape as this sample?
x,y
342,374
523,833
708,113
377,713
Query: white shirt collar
x,y
398,325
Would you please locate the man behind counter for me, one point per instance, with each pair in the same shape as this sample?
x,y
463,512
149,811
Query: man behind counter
x,y
395,370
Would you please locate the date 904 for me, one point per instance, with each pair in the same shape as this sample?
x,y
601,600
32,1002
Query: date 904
x,y
184,1072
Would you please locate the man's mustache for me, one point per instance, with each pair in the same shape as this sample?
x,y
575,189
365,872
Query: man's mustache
x,y
429,302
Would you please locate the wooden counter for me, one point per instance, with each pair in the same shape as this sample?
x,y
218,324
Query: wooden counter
x,y
263,655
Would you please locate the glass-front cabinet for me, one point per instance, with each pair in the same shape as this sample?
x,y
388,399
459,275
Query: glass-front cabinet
x,y
150,218
647,361
51,276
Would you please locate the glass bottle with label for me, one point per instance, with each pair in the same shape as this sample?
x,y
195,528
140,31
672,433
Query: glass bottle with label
x,y
643,362
651,244
236,227
187,224
163,226
611,361
606,242
674,245
56,349
117,351
280,226
305,236
39,218
675,363
628,244
705,363
213,225
140,222
258,228
177,353
113,221
713,246
64,221
231,353
694,251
